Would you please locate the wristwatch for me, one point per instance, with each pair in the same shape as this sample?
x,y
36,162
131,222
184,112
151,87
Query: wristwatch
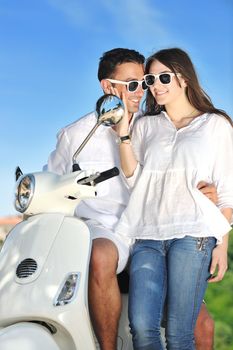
x,y
123,139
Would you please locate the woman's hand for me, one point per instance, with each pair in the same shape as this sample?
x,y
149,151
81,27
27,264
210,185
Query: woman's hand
x,y
122,128
219,266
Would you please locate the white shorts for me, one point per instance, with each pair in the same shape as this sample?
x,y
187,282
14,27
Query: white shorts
x,y
98,231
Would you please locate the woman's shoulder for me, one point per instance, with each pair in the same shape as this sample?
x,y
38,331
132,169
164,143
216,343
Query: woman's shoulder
x,y
218,120
219,126
149,119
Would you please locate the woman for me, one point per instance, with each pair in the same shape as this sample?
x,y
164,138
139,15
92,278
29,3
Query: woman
x,y
181,237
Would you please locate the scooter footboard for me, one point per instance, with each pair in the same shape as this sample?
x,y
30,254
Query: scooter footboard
x,y
26,336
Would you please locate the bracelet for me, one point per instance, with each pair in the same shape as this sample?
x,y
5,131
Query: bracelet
x,y
127,142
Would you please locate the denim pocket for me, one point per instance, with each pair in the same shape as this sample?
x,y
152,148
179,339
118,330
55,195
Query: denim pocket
x,y
203,242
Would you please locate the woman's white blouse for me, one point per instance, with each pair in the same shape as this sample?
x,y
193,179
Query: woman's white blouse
x,y
165,202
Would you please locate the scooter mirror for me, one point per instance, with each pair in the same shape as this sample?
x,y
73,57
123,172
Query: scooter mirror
x,y
109,109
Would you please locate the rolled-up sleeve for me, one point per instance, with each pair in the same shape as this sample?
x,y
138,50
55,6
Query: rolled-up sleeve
x,y
223,167
59,160
130,181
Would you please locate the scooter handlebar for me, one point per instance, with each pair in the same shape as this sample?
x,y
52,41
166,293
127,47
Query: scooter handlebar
x,y
99,177
105,175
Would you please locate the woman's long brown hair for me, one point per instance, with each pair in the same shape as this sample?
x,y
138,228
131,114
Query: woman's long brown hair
x,y
178,61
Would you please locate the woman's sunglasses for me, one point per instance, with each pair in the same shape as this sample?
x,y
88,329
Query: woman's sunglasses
x,y
132,85
164,78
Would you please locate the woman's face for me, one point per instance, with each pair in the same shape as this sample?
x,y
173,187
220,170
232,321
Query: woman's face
x,y
166,94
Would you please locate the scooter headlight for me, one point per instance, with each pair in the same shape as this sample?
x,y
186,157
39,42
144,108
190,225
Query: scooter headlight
x,y
68,289
24,192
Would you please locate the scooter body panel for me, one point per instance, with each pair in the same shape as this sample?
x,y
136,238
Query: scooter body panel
x,y
60,245
26,336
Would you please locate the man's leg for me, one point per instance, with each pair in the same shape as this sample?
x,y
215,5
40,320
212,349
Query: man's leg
x,y
204,330
104,294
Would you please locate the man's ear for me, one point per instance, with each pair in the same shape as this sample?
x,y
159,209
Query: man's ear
x,y
105,84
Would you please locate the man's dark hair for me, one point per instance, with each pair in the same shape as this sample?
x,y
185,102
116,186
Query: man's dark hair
x,y
111,59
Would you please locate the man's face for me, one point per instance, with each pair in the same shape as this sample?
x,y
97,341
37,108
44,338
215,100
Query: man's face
x,y
127,72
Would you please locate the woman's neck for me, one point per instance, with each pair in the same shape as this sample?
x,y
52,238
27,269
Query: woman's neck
x,y
182,114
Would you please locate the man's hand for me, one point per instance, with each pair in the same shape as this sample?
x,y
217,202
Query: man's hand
x,y
209,190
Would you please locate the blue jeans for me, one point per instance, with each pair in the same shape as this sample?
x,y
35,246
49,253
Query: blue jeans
x,y
176,270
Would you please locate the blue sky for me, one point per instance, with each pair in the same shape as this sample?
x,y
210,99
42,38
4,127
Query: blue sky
x,y
49,52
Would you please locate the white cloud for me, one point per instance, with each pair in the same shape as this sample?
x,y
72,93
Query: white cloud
x,y
73,10
138,20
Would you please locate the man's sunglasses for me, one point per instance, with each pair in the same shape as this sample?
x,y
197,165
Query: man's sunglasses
x,y
132,85
164,78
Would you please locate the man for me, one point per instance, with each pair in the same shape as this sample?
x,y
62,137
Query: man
x,y
109,255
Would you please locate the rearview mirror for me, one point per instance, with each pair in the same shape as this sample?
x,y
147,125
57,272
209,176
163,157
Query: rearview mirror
x,y
109,111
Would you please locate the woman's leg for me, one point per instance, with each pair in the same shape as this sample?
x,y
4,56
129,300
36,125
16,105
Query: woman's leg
x,y
147,291
188,270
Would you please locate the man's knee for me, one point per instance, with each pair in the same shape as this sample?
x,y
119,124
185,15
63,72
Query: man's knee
x,y
104,257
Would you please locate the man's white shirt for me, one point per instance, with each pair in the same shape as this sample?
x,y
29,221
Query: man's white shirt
x,y
100,153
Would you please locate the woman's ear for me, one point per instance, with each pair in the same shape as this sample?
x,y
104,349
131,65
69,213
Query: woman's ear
x,y
106,85
183,82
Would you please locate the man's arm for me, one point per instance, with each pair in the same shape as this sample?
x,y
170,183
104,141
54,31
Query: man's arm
x,y
209,190
59,159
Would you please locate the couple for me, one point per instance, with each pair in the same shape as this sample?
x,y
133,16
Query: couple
x,y
121,71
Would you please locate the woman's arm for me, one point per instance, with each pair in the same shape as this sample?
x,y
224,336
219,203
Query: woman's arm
x,y
128,161
219,265
127,156
222,178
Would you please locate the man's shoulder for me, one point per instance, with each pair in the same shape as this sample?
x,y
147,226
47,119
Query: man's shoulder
x,y
79,126
138,114
87,120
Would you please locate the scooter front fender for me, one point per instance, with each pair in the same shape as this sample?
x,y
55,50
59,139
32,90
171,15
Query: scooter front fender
x,y
26,336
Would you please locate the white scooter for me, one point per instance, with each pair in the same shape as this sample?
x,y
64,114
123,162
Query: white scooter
x,y
44,261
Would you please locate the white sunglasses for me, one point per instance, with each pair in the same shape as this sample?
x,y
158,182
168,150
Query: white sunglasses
x,y
132,85
164,78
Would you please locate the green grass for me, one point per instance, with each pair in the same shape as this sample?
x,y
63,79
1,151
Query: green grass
x,y
219,298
